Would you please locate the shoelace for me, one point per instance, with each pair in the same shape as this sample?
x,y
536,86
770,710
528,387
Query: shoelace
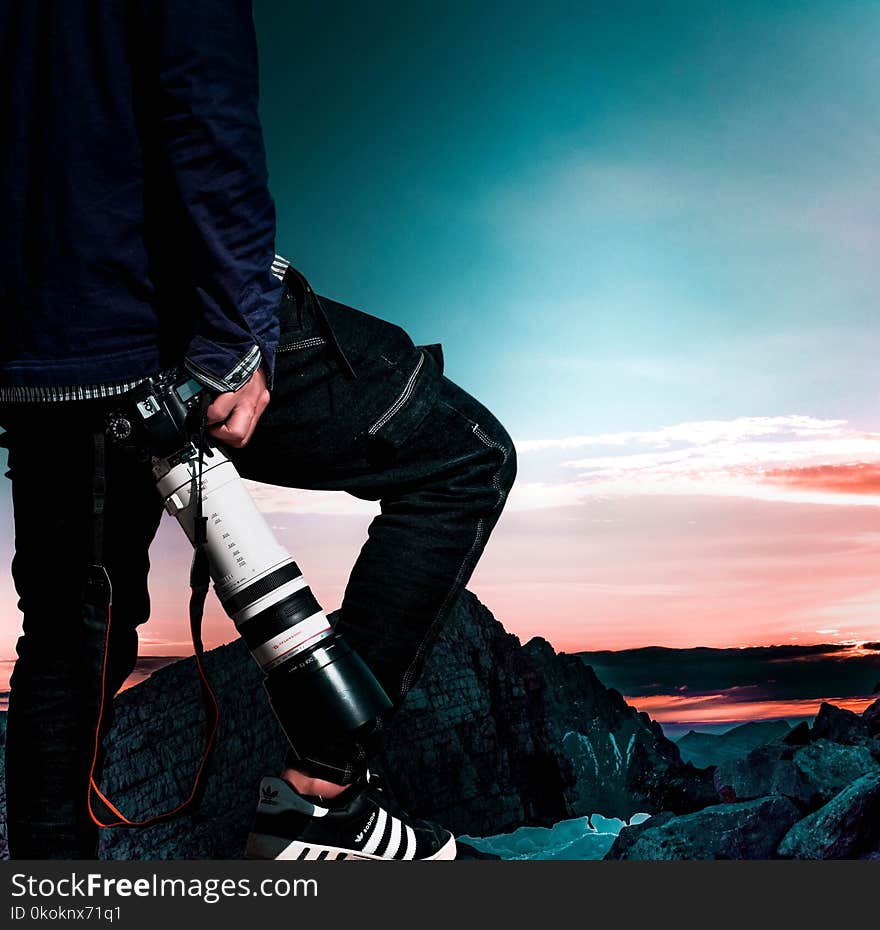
x,y
379,784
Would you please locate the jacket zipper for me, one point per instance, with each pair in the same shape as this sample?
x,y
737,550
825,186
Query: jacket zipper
x,y
302,344
401,398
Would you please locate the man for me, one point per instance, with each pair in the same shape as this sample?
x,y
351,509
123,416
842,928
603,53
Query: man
x,y
138,235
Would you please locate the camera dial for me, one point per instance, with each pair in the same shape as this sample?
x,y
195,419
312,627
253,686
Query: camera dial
x,y
119,427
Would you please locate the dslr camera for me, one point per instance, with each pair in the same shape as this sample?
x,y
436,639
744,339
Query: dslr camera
x,y
314,679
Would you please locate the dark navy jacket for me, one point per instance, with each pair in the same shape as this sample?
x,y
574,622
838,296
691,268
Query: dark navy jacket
x,y
136,225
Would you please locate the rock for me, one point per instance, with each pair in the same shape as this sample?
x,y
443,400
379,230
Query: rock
x,y
810,775
825,768
871,717
799,735
764,771
840,725
628,836
494,736
746,830
705,749
847,827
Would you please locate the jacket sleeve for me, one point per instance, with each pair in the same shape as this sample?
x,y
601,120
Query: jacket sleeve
x,y
208,95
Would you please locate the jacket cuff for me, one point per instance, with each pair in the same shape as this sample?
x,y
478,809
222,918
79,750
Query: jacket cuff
x,y
234,378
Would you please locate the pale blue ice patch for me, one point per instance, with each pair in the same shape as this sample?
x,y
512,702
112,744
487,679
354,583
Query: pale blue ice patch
x,y
579,838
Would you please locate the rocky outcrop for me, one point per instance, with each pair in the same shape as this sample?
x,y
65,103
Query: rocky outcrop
x,y
495,735
498,735
821,785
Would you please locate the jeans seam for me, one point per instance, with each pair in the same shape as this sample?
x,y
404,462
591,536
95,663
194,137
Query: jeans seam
x,y
401,400
505,453
478,535
300,344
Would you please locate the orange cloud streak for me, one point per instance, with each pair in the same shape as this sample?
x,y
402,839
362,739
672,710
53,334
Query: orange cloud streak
x,y
713,708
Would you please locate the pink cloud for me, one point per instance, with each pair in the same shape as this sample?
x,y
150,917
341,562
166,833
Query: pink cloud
x,y
854,478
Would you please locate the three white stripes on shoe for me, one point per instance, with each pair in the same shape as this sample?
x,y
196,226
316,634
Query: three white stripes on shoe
x,y
385,826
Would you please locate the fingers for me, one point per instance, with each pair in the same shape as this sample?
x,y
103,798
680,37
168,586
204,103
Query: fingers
x,y
221,407
233,417
238,429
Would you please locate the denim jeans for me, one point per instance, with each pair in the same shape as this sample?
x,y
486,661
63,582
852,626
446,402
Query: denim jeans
x,y
400,433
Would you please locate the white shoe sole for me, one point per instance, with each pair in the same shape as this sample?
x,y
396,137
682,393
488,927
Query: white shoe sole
x,y
263,846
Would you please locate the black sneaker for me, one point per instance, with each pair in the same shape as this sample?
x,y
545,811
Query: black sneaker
x,y
366,824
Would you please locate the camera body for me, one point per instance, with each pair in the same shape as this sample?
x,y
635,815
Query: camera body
x,y
315,681
159,414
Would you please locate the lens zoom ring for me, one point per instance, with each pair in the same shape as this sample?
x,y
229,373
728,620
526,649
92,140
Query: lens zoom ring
x,y
279,617
253,592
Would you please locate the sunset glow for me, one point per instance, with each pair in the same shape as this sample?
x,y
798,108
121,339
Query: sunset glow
x,y
715,709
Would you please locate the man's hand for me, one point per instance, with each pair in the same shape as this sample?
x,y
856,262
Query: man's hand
x,y
233,416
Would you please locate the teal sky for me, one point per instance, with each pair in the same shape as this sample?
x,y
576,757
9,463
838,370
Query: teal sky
x,y
612,215
647,236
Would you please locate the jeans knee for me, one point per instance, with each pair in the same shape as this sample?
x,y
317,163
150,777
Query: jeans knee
x,y
506,474
498,439
509,467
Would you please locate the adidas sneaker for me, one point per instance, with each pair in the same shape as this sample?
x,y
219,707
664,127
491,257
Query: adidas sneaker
x,y
366,824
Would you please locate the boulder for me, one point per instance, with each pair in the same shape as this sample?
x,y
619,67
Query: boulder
x,y
799,735
847,827
825,768
628,836
746,830
810,775
840,726
766,770
871,717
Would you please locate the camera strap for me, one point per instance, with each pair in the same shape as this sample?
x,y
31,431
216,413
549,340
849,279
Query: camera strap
x,y
98,595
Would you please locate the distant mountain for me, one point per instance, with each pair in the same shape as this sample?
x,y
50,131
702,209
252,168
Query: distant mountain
x,y
497,735
704,749
758,672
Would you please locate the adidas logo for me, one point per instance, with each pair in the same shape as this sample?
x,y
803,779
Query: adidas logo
x,y
268,795
366,828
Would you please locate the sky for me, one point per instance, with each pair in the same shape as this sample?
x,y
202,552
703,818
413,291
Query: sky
x,y
645,235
